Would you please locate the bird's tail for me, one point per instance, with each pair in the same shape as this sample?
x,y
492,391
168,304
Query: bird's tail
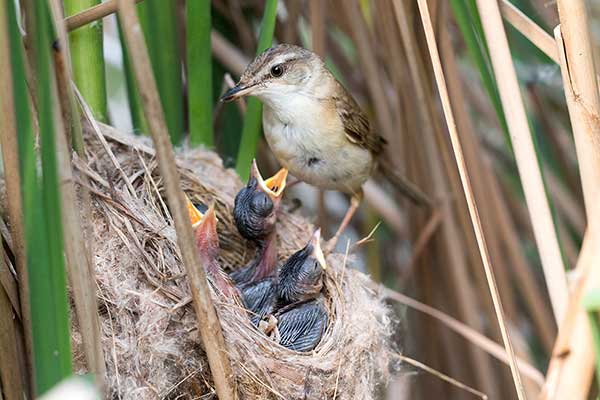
x,y
406,187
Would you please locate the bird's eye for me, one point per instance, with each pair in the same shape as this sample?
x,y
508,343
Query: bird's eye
x,y
277,71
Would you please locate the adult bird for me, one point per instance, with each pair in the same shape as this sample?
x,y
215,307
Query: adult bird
x,y
314,126
207,243
255,214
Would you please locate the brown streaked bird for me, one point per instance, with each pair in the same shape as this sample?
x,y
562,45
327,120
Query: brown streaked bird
x,y
314,126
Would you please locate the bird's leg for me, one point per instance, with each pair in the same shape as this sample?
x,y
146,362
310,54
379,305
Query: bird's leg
x,y
354,203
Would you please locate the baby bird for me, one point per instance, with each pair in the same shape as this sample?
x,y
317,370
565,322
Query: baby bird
x,y
291,297
302,326
207,243
314,126
255,213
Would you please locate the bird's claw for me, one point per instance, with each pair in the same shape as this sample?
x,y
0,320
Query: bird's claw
x,y
268,326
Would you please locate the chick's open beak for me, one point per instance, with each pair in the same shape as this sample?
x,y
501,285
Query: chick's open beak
x,y
317,253
208,224
239,90
194,213
273,186
204,224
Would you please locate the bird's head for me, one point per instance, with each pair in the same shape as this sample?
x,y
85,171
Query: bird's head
x,y
278,72
205,230
301,276
256,205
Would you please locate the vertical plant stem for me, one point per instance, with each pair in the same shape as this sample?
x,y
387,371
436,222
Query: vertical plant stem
x,y
15,118
158,22
43,228
571,367
208,322
79,260
87,59
140,126
252,119
456,145
199,72
581,89
466,299
527,160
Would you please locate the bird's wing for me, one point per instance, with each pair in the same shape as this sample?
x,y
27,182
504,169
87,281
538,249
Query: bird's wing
x,y
301,328
259,298
356,124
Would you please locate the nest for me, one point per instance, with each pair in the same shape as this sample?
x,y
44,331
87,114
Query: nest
x,y
150,335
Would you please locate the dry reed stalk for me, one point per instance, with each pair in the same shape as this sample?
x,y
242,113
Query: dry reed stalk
x,y
11,369
368,61
439,75
79,268
208,322
229,55
9,285
494,217
441,376
571,367
468,333
526,157
568,205
532,31
561,143
245,34
529,288
466,299
92,14
317,10
583,101
479,182
10,158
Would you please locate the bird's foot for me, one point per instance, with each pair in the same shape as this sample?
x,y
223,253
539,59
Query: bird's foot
x,y
268,325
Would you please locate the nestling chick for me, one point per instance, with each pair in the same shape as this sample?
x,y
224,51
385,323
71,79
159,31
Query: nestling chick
x,y
207,243
300,278
313,125
255,214
302,326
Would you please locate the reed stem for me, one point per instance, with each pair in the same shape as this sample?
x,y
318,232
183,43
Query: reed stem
x,y
199,70
87,59
253,117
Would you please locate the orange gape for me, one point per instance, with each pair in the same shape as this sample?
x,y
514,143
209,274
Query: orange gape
x,y
195,215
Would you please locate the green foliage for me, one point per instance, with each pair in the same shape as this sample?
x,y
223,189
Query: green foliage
x,y
199,73
160,31
252,119
41,211
138,120
87,59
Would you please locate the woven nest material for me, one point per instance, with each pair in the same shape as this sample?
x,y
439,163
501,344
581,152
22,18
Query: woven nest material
x,y
150,337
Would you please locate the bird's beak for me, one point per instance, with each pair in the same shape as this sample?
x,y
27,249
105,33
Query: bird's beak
x,y
207,228
194,213
317,253
203,223
239,90
273,186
